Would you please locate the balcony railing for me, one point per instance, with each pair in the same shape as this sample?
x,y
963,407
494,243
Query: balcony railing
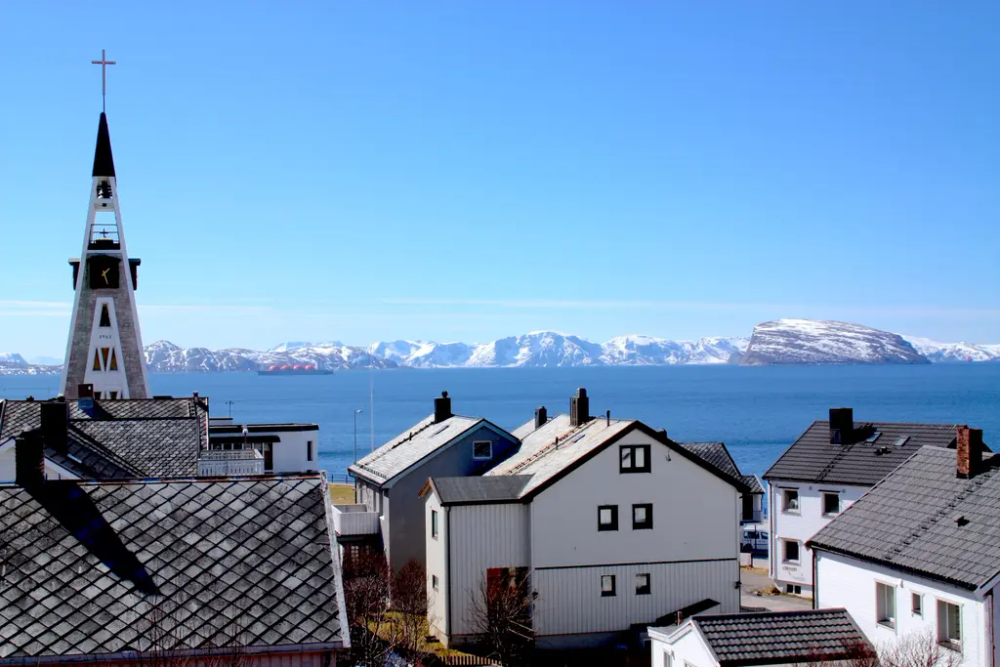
x,y
351,520
234,462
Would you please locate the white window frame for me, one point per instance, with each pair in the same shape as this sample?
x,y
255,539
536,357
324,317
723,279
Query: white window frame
x,y
434,581
614,586
784,551
482,442
786,506
882,617
435,527
944,638
823,507
917,604
668,658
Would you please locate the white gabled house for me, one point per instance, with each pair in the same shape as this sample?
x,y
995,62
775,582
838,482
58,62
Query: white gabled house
x,y
388,480
615,524
815,636
920,553
830,466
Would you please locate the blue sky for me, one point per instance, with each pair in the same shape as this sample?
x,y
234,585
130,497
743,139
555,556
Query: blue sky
x,y
470,170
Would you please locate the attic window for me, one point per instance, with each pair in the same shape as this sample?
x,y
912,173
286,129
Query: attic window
x,y
901,440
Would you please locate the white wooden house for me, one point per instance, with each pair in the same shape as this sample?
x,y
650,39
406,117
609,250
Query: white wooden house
x,y
920,553
616,524
830,466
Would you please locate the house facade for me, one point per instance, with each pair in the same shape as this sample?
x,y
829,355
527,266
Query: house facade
x,y
596,512
388,481
826,470
283,447
918,553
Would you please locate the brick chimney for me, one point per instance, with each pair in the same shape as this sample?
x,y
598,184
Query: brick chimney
x,y
541,416
55,424
969,452
579,408
841,425
29,459
442,408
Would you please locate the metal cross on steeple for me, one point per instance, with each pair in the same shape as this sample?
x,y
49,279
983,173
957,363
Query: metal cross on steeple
x,y
103,62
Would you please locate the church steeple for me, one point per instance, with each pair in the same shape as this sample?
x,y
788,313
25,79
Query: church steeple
x,y
104,351
104,163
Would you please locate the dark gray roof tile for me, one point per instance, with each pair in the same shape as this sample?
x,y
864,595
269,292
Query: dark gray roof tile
x,y
471,490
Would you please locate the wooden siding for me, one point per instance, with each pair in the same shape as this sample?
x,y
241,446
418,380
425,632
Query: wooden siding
x,y
569,599
482,536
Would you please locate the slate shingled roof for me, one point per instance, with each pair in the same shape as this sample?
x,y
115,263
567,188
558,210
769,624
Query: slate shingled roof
x,y
812,458
473,490
419,441
716,454
117,439
777,638
92,568
909,521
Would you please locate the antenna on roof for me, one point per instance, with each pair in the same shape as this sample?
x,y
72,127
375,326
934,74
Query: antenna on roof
x,y
371,396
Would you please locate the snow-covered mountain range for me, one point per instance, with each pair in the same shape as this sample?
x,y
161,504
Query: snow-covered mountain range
x,y
781,342
794,341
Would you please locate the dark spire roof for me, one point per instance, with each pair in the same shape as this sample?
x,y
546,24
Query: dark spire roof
x,y
104,164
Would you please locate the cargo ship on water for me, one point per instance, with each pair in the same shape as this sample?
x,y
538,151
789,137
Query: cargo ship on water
x,y
293,369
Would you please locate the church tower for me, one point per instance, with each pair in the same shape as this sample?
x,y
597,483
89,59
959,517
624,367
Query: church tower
x,y
105,347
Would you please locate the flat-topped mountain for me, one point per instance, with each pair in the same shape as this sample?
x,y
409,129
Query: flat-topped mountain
x,y
811,342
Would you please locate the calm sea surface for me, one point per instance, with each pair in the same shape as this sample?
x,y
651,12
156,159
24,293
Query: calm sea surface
x,y
757,412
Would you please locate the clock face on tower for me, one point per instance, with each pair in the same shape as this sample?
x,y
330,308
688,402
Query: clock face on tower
x,y
103,271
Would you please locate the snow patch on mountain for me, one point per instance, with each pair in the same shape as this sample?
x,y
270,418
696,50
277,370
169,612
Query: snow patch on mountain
x,y
800,341
953,352
164,356
636,350
12,360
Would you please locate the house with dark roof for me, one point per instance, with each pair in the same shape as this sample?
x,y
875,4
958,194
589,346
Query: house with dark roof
x,y
815,636
387,481
825,470
156,571
109,439
920,552
610,522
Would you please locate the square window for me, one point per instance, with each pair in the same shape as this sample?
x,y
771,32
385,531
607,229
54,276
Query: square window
x,y
949,624
434,581
642,517
434,524
607,585
790,500
642,584
607,517
791,551
831,503
634,458
482,450
885,604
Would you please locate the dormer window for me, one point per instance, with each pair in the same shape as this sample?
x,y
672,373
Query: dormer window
x,y
482,450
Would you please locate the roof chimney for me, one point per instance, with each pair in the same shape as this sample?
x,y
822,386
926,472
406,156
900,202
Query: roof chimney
x,y
579,408
841,425
442,408
969,446
55,424
541,416
29,459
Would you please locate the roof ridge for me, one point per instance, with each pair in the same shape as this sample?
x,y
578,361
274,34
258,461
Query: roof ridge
x,y
520,465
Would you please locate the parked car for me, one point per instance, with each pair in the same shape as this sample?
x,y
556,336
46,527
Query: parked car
x,y
755,539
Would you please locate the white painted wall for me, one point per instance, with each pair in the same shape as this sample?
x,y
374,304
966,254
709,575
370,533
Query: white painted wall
x,y
290,452
437,565
688,647
564,516
995,638
801,526
8,468
850,583
569,599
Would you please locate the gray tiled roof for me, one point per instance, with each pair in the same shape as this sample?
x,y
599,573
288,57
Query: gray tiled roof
x,y
101,567
422,439
718,456
470,490
777,638
812,458
116,439
909,521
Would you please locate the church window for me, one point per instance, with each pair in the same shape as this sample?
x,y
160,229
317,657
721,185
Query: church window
x,y
104,355
114,362
97,360
105,316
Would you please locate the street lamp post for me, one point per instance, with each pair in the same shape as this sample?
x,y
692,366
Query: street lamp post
x,y
356,413
230,404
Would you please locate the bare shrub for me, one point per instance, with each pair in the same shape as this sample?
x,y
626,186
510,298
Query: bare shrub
x,y
501,614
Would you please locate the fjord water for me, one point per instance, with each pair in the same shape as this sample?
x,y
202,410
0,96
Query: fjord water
x,y
756,411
